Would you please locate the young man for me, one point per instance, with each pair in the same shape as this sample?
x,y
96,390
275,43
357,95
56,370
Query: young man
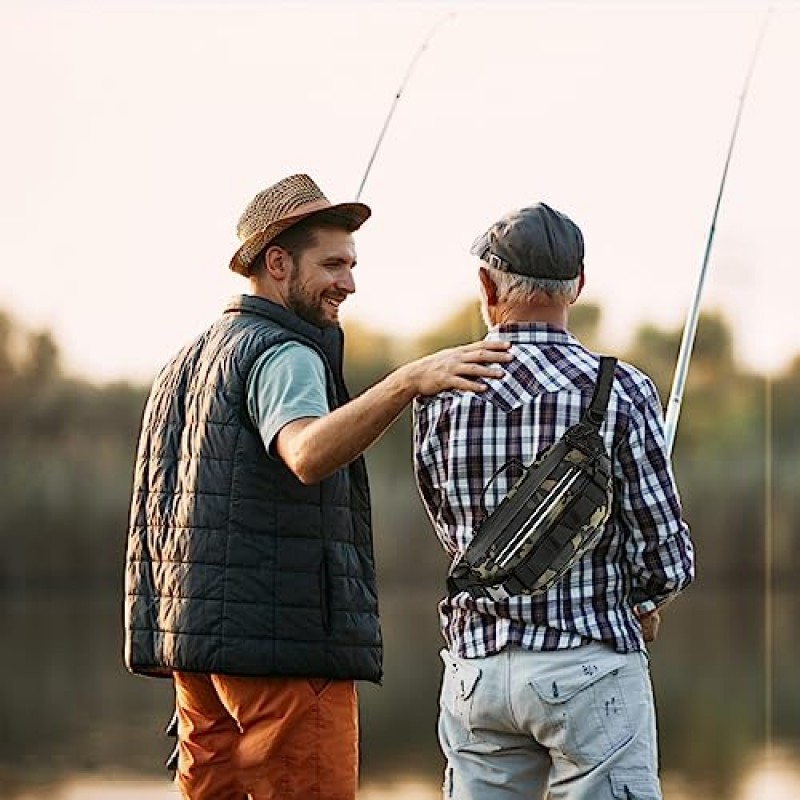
x,y
549,695
250,576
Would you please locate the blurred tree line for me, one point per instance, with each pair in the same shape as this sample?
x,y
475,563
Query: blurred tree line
x,y
67,447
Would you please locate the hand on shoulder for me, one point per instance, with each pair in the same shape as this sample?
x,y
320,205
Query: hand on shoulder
x,y
458,367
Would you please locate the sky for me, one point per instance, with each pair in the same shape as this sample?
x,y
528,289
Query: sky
x,y
134,134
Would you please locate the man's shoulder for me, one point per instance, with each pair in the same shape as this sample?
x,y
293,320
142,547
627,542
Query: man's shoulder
x,y
576,368
291,348
635,383
536,370
289,354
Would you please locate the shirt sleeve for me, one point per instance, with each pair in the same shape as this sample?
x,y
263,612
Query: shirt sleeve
x,y
286,383
658,546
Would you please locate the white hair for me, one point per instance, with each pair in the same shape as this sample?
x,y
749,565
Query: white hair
x,y
513,288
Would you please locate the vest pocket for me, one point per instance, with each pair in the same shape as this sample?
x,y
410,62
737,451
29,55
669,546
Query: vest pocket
x,y
324,593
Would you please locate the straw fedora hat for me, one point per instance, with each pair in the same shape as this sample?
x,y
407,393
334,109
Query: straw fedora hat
x,y
279,207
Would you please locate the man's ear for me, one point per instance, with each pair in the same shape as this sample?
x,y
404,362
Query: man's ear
x,y
489,288
276,262
581,282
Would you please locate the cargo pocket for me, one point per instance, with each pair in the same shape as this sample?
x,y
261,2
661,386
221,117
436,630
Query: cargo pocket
x,y
458,687
586,715
634,786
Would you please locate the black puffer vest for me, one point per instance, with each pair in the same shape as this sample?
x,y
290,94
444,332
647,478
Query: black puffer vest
x,y
233,565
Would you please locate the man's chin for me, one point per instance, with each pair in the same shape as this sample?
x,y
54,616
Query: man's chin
x,y
328,318
318,317
321,320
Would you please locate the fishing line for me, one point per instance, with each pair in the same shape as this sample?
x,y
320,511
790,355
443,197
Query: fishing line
x,y
769,631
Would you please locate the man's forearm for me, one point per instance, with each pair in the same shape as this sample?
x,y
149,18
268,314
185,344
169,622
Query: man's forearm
x,y
315,448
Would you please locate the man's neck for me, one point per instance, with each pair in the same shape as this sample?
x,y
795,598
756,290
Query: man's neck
x,y
263,289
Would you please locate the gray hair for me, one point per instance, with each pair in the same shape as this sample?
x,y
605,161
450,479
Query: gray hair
x,y
513,288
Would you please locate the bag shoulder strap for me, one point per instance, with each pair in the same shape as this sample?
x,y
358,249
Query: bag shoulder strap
x,y
596,412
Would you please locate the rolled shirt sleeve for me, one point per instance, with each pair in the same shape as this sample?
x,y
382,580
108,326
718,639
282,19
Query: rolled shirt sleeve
x,y
285,384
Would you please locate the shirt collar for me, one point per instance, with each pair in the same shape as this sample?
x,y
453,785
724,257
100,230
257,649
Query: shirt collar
x,y
530,333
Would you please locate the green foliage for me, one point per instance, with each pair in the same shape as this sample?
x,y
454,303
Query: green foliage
x,y
67,448
463,325
67,458
466,325
584,322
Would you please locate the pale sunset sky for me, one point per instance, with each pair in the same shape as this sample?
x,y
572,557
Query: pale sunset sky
x,y
134,133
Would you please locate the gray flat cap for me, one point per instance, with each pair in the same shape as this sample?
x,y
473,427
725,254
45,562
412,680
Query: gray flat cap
x,y
536,241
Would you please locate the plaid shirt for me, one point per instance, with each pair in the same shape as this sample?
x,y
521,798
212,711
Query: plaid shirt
x,y
462,440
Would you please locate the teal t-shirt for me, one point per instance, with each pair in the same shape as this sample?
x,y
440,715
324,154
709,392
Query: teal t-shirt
x,y
286,383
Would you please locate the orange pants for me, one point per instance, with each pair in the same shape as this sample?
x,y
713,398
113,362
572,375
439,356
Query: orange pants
x,y
266,738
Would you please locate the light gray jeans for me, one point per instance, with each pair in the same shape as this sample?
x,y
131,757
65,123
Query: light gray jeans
x,y
579,724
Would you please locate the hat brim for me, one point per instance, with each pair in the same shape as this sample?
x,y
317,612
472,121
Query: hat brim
x,y
350,215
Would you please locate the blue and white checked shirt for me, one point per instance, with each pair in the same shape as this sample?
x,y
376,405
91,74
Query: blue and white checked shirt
x,y
461,439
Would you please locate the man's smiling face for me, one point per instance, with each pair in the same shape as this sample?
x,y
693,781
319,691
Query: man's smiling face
x,y
321,277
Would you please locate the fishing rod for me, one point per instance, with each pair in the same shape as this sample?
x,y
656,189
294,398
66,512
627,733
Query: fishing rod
x,y
413,63
690,328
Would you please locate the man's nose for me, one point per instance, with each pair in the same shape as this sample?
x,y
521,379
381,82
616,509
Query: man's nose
x,y
346,281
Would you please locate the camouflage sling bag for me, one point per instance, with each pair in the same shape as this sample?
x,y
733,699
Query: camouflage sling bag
x,y
550,517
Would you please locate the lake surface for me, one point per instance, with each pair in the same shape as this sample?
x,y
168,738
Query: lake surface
x,y
77,726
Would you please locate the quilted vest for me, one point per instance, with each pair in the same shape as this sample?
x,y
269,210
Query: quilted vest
x,y
234,566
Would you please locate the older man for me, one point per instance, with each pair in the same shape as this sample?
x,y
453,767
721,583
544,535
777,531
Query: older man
x,y
250,576
548,693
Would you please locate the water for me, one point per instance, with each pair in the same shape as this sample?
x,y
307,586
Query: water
x,y
77,726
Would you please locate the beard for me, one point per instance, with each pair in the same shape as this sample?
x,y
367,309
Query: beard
x,y
305,305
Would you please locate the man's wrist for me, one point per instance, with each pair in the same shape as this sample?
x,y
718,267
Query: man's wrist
x,y
403,383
